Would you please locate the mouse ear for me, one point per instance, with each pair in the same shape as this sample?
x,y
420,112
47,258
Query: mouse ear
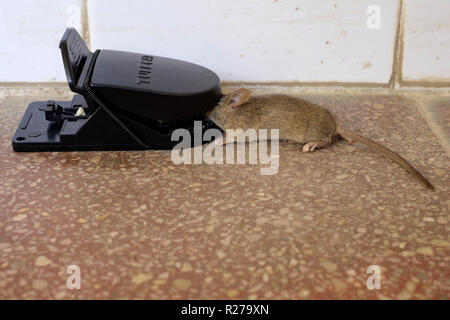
x,y
238,97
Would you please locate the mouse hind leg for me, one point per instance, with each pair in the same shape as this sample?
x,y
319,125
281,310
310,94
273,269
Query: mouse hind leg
x,y
313,145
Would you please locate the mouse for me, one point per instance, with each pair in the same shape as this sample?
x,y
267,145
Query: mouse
x,y
298,120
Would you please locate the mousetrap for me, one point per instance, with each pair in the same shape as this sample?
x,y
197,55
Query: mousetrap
x,y
123,101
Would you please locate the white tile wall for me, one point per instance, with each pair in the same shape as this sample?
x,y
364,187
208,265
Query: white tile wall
x,y
255,40
29,37
252,40
426,55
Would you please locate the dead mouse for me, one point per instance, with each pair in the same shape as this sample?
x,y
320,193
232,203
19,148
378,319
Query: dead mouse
x,y
296,119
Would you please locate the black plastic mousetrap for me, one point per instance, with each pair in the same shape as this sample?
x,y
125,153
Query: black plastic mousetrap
x,y
124,101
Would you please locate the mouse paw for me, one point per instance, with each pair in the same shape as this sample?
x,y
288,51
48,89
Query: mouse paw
x,y
310,146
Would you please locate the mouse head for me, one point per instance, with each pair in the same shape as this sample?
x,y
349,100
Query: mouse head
x,y
228,105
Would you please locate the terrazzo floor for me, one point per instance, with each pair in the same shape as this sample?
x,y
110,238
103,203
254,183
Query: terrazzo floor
x,y
139,226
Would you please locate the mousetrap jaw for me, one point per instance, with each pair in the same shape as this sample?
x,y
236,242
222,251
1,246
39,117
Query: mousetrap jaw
x,y
123,101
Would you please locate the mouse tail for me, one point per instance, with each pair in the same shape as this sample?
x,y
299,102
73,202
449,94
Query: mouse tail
x,y
352,136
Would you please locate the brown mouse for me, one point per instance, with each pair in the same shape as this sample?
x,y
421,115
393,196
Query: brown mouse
x,y
296,119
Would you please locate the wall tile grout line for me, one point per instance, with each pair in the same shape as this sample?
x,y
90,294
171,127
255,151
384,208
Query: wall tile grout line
x,y
398,47
85,22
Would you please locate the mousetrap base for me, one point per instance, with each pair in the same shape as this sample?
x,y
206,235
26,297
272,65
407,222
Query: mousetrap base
x,y
40,129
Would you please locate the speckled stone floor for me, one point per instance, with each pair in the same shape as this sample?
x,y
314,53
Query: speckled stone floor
x,y
139,226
